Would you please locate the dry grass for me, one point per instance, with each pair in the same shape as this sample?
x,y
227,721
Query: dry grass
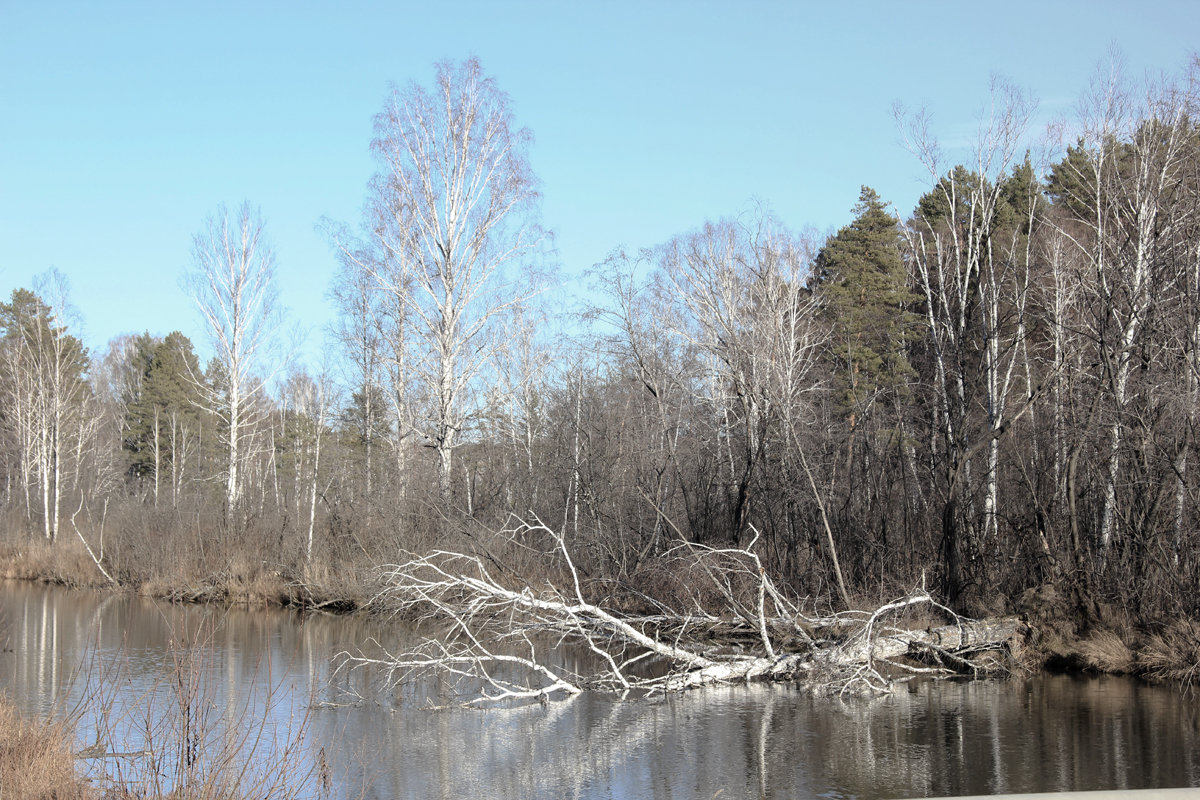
x,y
340,587
257,585
1106,651
239,585
184,590
36,760
65,563
1173,654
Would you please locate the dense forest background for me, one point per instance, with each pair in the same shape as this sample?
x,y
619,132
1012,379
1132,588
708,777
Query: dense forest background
x,y
995,391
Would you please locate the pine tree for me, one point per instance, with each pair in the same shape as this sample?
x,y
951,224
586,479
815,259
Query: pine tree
x,y
863,291
162,422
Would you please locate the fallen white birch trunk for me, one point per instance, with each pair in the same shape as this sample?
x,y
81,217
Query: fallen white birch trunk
x,y
491,624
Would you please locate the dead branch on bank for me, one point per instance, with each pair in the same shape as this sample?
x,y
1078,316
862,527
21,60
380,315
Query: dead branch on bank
x,y
96,559
505,643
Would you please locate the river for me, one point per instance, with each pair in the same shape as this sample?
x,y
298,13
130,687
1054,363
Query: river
x,y
262,678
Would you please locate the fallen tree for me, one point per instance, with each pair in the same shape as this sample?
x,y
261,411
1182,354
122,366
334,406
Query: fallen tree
x,y
501,642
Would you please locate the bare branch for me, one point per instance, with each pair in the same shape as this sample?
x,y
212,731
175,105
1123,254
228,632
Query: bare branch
x,y
492,629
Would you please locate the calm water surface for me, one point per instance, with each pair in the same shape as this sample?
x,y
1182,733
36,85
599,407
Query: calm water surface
x,y
275,671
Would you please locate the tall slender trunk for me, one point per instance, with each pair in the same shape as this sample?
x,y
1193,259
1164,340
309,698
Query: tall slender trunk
x,y
1120,364
57,469
368,447
233,484
312,498
157,455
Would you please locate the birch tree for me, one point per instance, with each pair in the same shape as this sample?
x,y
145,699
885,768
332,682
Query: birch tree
x,y
456,199
306,417
1122,178
745,308
969,283
45,377
363,319
232,284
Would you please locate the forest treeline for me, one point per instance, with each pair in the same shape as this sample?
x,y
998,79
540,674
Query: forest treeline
x,y
994,392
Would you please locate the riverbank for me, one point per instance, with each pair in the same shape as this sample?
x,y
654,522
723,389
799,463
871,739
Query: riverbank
x,y
237,581
1067,633
1070,634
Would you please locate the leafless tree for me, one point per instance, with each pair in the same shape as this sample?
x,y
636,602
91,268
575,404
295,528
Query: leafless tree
x,y
232,283
516,404
1132,149
1062,295
307,404
364,330
746,307
456,199
970,284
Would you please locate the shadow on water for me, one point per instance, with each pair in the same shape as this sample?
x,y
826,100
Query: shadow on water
x,y
277,669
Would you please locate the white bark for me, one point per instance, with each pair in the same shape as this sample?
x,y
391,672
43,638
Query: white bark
x,y
956,261
455,199
362,322
45,366
486,616
233,286
97,559
1133,153
309,403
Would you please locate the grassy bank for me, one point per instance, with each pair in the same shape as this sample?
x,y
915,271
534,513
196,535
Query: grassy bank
x,y
36,758
237,580
1072,635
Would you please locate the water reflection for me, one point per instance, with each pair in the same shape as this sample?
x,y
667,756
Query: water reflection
x,y
1046,734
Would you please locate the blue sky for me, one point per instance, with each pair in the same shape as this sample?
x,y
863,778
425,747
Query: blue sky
x,y
124,125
